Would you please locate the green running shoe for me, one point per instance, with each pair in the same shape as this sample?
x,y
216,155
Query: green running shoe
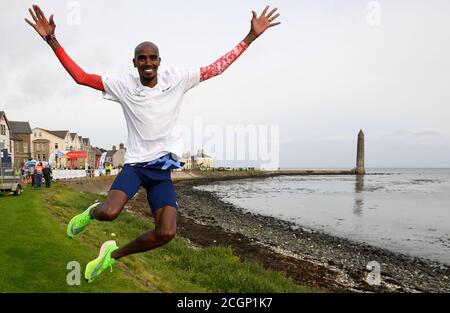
x,y
78,223
102,262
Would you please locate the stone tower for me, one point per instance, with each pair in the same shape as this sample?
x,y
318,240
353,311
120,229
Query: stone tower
x,y
360,168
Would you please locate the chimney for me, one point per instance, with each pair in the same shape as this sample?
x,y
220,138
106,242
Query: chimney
x,y
121,146
114,148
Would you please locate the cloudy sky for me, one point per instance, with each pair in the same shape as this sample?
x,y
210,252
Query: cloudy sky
x,y
331,68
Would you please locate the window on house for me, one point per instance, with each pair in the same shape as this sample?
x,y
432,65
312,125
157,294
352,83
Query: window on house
x,y
34,134
43,157
3,131
56,146
40,134
38,147
25,147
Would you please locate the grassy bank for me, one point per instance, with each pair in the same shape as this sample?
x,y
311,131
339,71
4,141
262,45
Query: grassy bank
x,y
35,252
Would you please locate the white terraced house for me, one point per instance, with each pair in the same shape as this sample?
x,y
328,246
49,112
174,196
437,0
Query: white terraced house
x,y
5,135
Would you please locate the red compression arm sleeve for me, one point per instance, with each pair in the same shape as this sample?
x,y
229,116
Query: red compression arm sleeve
x,y
223,63
80,76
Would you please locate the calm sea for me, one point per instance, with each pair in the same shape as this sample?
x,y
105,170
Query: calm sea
x,y
403,210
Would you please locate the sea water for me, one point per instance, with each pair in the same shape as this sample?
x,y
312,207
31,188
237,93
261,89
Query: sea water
x,y
403,210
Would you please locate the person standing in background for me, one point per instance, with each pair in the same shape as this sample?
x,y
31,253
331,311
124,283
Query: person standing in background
x,y
47,171
38,170
31,171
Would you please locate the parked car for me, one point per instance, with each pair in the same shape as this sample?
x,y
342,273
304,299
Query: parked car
x,y
10,181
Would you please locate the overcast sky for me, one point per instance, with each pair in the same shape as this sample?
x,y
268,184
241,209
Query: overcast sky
x,y
330,69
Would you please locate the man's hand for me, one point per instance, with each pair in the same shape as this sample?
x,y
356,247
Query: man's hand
x,y
42,26
262,23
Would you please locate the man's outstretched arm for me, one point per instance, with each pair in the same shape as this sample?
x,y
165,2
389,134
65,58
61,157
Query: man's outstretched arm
x,y
46,29
259,26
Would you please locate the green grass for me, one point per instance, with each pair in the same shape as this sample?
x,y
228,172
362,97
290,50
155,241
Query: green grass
x,y
34,253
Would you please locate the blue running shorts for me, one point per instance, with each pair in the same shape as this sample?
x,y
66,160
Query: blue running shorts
x,y
156,181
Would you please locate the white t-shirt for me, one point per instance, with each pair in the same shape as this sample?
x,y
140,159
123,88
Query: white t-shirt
x,y
152,113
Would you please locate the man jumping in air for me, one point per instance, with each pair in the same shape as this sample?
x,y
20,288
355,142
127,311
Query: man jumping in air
x,y
151,105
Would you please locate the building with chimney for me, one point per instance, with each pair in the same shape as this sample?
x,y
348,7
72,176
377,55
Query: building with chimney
x,y
22,141
118,158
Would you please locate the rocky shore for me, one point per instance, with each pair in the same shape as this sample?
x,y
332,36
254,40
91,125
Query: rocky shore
x,y
342,262
309,257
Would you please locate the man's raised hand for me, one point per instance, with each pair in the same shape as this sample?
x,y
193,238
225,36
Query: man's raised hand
x,y
42,26
264,22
